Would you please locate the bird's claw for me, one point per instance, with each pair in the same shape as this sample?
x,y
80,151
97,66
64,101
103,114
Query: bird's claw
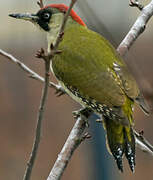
x,y
85,136
85,112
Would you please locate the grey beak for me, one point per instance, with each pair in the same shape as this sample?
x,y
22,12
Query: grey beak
x,y
27,17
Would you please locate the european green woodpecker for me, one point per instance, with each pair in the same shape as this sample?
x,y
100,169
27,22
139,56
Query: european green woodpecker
x,y
93,74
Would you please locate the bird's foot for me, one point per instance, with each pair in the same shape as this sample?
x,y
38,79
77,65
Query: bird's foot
x,y
85,136
84,112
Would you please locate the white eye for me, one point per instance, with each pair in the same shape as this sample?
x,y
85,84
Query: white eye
x,y
46,16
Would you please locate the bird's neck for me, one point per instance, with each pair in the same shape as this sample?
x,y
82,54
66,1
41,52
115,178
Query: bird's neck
x,y
55,25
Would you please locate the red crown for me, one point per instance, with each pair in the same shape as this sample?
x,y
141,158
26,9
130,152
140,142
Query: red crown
x,y
64,8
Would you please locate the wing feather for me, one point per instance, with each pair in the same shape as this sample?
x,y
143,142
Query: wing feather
x,y
88,64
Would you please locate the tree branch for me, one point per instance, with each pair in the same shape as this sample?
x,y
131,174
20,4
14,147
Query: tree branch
x,y
40,3
125,45
72,142
136,30
143,144
30,72
40,117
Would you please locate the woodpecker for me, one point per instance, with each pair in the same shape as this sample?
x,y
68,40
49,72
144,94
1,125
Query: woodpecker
x,y
93,74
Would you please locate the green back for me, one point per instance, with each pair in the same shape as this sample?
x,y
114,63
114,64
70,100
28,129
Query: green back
x,y
87,63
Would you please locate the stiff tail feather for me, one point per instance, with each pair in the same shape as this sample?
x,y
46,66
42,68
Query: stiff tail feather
x,y
121,141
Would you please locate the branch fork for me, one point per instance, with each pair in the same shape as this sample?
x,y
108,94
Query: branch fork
x,y
40,3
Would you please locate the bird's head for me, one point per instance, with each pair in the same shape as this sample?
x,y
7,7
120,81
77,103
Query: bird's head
x,y
49,17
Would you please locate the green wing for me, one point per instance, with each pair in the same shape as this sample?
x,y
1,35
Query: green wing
x,y
89,63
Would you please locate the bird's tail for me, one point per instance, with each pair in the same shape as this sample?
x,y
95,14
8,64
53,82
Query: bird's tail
x,y
120,141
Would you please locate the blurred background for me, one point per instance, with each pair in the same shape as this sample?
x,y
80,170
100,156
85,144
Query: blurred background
x,y
20,96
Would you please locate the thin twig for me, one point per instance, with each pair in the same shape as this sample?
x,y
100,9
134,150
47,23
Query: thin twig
x,y
40,3
40,117
30,72
133,34
61,31
125,45
135,3
136,30
143,144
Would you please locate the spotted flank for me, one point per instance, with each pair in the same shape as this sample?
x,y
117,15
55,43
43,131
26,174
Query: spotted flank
x,y
116,67
94,105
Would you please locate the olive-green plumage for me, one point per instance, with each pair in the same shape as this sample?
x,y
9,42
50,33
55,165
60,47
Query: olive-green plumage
x,y
90,65
93,74
96,76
